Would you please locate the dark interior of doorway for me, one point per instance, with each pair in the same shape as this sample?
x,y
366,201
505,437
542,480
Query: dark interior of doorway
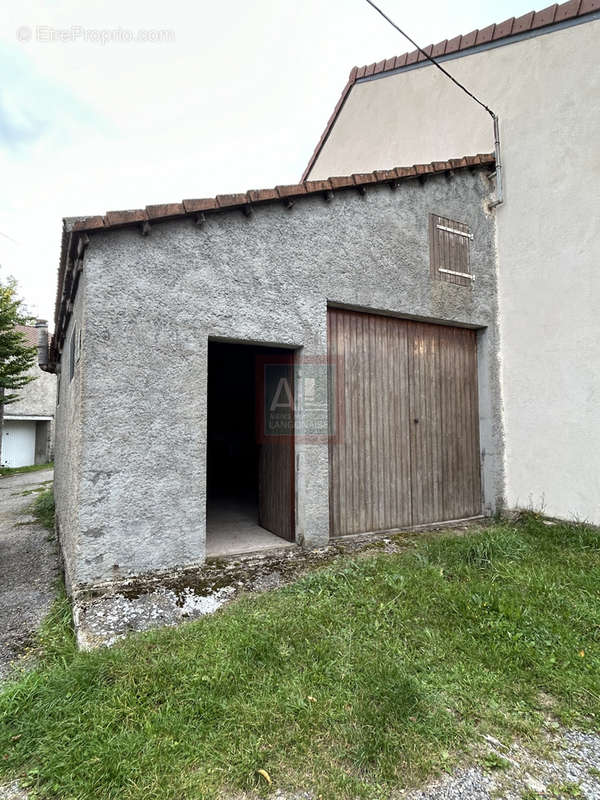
x,y
239,480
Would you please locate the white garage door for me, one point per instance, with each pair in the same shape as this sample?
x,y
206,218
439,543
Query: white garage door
x,y
18,443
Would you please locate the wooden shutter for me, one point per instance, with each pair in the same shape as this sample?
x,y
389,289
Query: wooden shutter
x,y
449,244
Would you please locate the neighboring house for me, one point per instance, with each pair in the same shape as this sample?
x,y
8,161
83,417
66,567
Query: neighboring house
x,y
275,367
540,74
28,427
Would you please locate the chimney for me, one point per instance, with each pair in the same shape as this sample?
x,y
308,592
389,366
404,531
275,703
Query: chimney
x,y
42,343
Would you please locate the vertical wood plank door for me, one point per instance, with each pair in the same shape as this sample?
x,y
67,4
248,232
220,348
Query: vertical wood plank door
x,y
276,474
276,488
405,450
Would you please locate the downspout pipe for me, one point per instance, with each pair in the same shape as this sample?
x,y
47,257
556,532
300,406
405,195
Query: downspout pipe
x,y
499,182
42,345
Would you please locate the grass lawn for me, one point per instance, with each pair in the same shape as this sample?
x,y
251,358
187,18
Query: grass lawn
x,y
6,471
369,674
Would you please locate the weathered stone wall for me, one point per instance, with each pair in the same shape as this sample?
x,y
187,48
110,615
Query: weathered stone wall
x,y
152,303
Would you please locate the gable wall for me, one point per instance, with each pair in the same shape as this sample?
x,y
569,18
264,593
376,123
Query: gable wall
x,y
152,303
546,91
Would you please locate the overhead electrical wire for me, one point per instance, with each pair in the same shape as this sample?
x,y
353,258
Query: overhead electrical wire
x,y
430,58
499,186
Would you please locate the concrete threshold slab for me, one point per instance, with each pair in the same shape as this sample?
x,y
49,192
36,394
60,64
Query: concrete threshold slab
x,y
107,614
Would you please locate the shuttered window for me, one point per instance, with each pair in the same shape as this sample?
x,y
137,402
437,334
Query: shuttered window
x,y
449,246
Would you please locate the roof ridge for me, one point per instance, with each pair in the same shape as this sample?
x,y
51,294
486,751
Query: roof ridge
x,y
551,15
532,20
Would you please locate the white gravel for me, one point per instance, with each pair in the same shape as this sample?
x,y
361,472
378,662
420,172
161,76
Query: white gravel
x,y
566,775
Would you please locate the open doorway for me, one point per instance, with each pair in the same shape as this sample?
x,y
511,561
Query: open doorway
x,y
250,461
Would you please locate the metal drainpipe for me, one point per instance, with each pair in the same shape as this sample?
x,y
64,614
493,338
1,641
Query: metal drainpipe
x,y
42,345
499,184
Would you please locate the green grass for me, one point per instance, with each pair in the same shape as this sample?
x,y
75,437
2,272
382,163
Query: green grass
x,y
42,508
368,675
6,471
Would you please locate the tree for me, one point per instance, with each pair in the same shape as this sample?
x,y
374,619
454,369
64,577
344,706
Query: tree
x,y
16,357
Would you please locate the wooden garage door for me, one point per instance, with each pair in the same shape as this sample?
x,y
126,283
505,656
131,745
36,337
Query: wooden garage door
x,y
406,423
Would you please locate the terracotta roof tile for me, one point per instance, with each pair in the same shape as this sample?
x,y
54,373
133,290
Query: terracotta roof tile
x,y
492,33
503,29
87,223
453,44
439,49
406,172
290,190
203,204
226,200
428,49
544,17
567,10
523,23
364,177
125,217
385,174
485,35
318,186
258,195
341,181
165,210
30,333
468,39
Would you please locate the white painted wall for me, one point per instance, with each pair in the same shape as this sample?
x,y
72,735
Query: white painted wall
x,y
546,91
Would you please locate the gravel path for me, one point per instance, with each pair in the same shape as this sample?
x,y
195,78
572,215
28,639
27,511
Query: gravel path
x,y
28,565
573,772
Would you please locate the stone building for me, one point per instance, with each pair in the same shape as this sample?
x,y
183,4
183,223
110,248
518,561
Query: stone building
x,y
28,426
274,368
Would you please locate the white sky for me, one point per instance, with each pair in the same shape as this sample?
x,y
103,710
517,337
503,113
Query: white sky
x,y
237,101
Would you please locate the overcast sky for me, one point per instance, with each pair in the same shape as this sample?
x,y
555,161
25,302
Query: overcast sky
x,y
235,98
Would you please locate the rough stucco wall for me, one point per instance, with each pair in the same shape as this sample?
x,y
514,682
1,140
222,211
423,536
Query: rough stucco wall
x,y
68,445
546,91
38,398
152,302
